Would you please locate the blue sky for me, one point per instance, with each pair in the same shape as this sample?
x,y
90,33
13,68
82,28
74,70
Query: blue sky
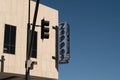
x,y
95,38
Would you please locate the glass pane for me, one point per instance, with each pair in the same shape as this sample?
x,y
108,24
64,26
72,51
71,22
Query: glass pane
x,y
6,34
35,41
12,50
13,36
6,49
34,55
34,45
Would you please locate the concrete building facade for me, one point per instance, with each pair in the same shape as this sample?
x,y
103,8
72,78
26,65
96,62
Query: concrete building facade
x,y
13,42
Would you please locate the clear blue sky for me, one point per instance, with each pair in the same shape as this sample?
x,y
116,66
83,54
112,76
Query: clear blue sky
x,y
95,38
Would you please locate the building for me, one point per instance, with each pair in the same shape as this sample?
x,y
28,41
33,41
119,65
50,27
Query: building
x,y
13,42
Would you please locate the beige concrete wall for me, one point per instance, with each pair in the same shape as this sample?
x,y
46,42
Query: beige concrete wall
x,y
15,12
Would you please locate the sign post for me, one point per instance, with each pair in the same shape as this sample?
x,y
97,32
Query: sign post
x,y
29,42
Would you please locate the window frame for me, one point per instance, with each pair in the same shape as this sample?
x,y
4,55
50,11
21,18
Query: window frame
x,y
9,45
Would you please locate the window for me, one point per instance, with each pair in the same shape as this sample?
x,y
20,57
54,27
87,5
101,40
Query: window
x,y
34,46
34,0
9,39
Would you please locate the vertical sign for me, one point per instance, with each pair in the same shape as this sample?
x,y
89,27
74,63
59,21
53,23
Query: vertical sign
x,y
64,43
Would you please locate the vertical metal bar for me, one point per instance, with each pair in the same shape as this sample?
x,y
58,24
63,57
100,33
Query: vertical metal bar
x,y
33,28
28,31
28,34
57,58
29,52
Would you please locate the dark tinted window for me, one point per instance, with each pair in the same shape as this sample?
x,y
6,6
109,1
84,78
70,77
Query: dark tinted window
x,y
34,0
13,35
9,39
34,46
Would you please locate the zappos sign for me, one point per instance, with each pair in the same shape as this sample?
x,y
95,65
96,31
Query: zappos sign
x,y
64,43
